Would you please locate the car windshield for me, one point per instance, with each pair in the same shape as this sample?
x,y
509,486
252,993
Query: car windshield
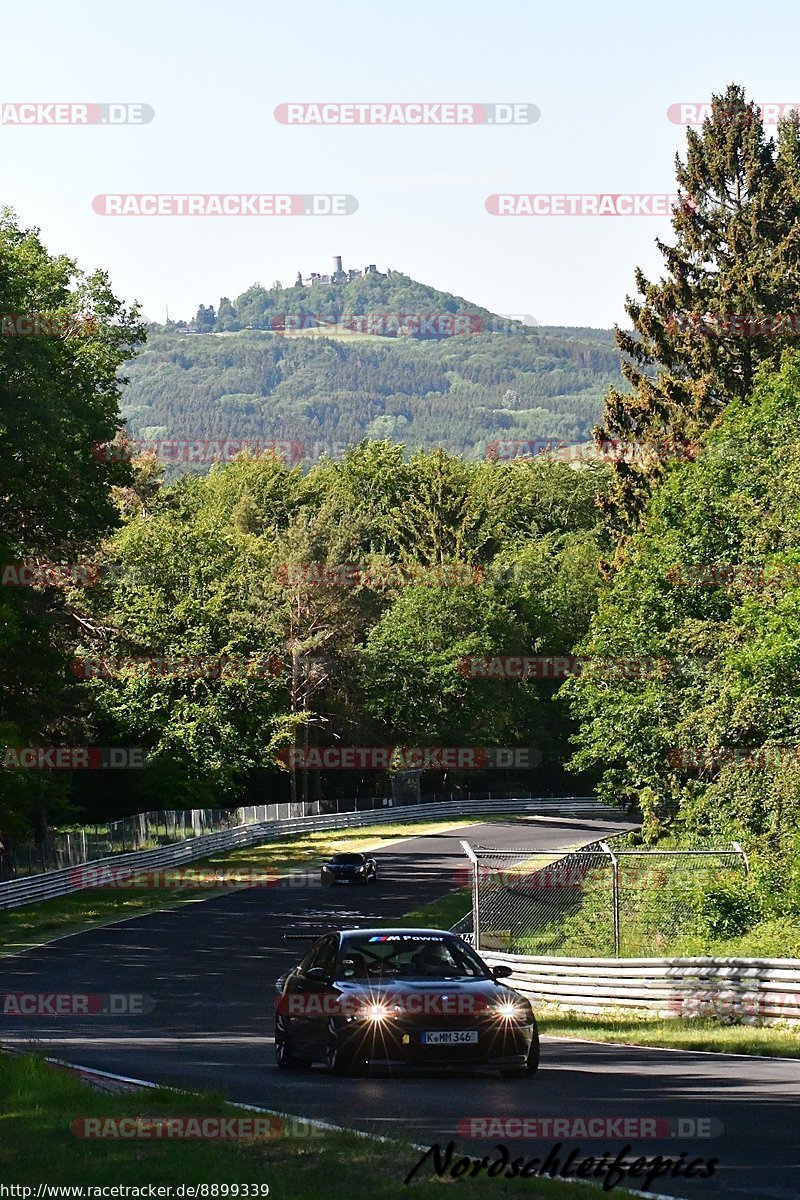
x,y
408,956
347,860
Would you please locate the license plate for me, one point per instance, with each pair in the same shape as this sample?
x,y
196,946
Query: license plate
x,y
450,1037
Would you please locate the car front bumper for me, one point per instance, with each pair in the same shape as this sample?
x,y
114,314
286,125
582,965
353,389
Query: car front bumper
x,y
397,1041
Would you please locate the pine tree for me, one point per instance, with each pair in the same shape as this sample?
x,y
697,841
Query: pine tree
x,y
736,252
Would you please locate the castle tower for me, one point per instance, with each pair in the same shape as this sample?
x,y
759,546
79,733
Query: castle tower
x,y
337,266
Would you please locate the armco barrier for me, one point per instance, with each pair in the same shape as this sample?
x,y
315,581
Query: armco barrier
x,y
750,990
17,892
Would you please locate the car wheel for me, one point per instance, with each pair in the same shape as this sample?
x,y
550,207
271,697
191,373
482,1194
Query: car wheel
x,y
531,1064
285,1056
339,1059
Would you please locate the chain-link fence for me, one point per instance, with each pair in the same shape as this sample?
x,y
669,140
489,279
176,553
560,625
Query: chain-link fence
x,y
596,901
142,831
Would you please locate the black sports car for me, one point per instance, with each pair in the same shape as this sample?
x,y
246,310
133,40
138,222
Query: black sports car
x,y
349,868
420,997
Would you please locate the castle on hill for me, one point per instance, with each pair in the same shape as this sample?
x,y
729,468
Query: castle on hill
x,y
337,275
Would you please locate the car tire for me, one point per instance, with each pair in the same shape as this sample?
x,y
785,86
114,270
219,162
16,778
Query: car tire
x,y
285,1056
340,1060
531,1065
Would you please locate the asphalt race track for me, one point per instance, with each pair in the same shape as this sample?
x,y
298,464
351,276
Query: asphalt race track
x,y
210,968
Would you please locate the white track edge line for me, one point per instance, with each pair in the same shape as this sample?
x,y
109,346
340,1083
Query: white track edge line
x,y
375,1137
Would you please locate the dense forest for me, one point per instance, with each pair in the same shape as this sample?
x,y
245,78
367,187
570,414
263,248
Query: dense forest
x,y
344,602
327,393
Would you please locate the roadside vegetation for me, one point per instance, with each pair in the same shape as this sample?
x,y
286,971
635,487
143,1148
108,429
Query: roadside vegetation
x,y
696,1033
37,1146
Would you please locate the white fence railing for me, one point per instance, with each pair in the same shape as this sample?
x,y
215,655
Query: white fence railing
x,y
750,990
17,892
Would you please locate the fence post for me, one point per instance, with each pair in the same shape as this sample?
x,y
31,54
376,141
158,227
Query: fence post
x,y
476,908
736,846
615,892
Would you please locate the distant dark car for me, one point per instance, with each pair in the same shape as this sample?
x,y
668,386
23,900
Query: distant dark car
x,y
349,868
419,997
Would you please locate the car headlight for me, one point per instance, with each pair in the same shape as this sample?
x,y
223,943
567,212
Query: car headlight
x,y
360,870
375,1012
509,1010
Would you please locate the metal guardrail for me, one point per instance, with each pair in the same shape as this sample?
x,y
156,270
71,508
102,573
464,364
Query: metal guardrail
x,y
162,827
141,831
17,892
750,990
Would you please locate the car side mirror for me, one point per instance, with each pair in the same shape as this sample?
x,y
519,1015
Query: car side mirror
x,y
502,971
318,975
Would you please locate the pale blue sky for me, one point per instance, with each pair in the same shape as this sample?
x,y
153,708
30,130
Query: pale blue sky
x,y
603,77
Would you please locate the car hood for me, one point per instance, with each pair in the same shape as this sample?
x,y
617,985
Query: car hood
x,y
385,991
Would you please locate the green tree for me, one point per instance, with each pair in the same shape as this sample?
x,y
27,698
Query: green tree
x,y
227,317
735,251
727,637
59,402
205,321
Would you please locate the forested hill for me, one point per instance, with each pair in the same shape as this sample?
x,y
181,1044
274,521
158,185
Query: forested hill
x,y
439,371
376,293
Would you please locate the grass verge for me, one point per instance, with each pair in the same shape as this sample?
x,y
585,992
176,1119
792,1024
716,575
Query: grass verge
x,y
37,1146
442,913
697,1033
